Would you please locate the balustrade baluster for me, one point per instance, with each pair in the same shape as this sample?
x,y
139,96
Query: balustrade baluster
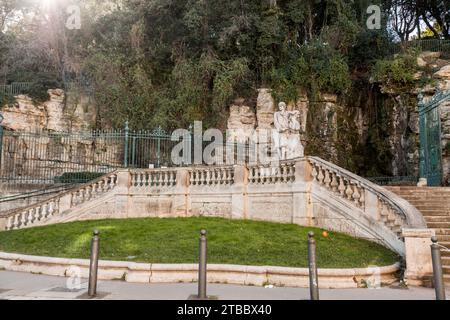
x,y
334,183
16,221
44,211
356,195
23,218
314,172
341,186
349,190
327,179
320,176
30,216
10,223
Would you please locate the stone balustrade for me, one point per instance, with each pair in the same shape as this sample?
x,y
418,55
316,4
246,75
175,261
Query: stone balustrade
x,y
355,189
283,173
206,176
153,178
306,191
43,211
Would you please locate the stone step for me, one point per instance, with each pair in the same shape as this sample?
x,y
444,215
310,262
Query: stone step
x,y
417,189
445,243
447,279
442,231
445,261
433,213
431,207
437,219
423,194
445,254
443,238
438,225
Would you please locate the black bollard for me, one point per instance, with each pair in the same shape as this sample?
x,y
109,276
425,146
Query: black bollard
x,y
438,276
93,268
202,266
313,276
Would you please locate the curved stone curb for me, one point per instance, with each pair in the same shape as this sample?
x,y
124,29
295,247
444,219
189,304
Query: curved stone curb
x,y
217,273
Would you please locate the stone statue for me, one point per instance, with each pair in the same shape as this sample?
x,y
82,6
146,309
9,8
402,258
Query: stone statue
x,y
286,135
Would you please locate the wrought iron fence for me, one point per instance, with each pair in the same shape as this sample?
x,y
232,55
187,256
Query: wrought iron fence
x,y
77,157
395,181
14,88
434,45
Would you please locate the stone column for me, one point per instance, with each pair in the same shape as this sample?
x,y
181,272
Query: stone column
x,y
181,193
419,268
239,200
302,211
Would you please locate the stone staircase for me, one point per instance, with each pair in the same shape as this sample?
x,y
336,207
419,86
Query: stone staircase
x,y
434,203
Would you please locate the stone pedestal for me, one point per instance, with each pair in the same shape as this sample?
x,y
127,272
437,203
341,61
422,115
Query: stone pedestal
x,y
302,211
419,268
65,203
239,193
180,199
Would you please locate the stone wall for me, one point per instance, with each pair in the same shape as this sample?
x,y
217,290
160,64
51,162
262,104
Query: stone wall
x,y
56,114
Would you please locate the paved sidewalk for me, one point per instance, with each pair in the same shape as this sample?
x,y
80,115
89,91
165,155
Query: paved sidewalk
x,y
18,285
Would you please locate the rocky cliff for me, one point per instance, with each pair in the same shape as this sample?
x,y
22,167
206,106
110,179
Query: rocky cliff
x,y
376,124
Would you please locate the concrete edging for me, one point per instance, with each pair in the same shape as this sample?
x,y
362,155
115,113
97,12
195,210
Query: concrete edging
x,y
217,273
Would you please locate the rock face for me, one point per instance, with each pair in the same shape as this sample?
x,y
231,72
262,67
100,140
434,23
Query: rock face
x,y
265,108
52,115
402,120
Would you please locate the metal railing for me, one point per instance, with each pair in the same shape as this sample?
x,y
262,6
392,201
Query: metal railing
x,y
14,88
434,45
395,180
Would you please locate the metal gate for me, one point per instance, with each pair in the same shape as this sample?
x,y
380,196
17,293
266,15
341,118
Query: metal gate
x,y
430,138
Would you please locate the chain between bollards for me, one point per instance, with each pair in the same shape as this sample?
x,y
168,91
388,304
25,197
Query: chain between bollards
x,y
202,266
93,269
438,275
313,276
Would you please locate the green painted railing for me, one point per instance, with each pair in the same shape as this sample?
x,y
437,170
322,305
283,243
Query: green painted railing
x,y
14,88
395,181
433,45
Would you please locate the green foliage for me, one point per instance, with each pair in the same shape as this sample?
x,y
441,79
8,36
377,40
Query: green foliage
x,y
397,73
175,240
77,177
40,85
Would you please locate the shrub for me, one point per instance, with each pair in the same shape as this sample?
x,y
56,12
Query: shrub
x,y
77,177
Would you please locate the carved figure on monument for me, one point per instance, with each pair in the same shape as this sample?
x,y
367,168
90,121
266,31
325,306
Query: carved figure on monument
x,y
286,135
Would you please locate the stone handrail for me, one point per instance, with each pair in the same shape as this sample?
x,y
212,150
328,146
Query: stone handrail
x,y
395,212
44,210
153,178
284,173
223,175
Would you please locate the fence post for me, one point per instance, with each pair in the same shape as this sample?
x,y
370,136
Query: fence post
x,y
125,156
438,276
313,276
1,140
202,266
158,142
93,268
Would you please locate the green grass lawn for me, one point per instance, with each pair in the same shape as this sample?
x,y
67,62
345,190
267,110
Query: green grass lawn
x,y
176,241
